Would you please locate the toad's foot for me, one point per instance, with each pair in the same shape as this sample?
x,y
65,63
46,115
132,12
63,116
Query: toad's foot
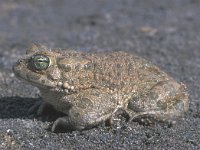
x,y
150,118
117,116
66,124
41,108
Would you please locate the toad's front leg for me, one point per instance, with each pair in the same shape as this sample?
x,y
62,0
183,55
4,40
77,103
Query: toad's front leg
x,y
78,119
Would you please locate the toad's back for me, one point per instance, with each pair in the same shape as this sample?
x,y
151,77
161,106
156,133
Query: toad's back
x,y
119,71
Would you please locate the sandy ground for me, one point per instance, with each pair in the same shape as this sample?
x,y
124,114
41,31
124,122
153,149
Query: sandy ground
x,y
167,32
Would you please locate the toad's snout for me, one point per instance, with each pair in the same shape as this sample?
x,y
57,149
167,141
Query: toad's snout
x,y
18,69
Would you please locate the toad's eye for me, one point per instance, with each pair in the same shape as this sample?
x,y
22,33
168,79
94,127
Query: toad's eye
x,y
39,62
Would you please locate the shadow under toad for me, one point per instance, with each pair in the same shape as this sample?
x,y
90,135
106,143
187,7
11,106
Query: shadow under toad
x,y
18,107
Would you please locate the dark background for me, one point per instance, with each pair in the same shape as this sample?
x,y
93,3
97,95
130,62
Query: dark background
x,y
167,32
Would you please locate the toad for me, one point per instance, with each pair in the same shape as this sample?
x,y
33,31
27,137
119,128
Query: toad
x,y
90,88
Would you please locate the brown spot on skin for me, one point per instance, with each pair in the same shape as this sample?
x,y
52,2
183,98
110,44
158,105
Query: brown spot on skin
x,y
118,66
65,67
113,99
152,95
130,68
84,103
71,81
179,105
56,73
43,81
88,66
170,89
95,93
162,105
59,60
77,67
134,104
76,114
33,76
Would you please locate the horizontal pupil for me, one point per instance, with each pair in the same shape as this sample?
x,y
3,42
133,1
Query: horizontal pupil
x,y
40,62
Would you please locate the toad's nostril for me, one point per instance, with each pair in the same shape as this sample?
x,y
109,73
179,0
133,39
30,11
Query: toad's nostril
x,y
20,60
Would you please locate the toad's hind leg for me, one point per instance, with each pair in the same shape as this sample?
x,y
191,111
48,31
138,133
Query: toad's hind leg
x,y
164,102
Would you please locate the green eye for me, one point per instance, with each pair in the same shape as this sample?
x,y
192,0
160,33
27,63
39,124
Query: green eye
x,y
39,62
